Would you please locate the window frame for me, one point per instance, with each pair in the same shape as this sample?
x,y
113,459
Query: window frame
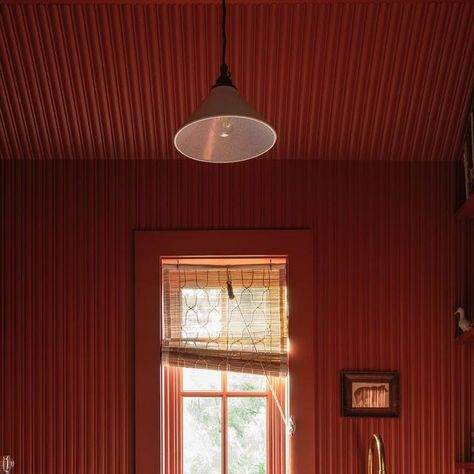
x,y
173,431
149,248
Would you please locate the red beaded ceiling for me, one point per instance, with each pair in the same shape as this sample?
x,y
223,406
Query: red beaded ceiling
x,y
338,80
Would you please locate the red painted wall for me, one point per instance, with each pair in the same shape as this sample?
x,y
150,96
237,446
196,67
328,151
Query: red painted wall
x,y
388,274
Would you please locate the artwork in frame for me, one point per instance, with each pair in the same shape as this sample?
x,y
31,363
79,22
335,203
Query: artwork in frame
x,y
371,393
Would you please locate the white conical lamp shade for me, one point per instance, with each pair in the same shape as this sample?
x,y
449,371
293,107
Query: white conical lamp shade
x,y
224,129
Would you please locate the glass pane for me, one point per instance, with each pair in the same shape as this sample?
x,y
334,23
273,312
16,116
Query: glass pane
x,y
247,435
202,435
246,382
201,380
201,313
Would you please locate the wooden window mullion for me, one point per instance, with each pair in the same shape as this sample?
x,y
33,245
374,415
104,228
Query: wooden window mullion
x,y
180,422
270,434
224,423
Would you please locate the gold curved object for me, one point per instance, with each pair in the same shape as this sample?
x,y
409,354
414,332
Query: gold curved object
x,y
377,441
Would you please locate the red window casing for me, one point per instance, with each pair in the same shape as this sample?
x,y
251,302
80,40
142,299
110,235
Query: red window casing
x,y
150,247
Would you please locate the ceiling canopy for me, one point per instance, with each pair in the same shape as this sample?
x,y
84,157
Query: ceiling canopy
x,y
338,80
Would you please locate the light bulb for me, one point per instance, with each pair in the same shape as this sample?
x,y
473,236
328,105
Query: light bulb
x,y
223,127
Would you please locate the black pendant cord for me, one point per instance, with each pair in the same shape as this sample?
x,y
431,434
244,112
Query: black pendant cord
x,y
225,78
224,35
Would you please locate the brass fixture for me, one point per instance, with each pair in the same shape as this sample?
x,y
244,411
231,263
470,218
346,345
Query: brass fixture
x,y
377,441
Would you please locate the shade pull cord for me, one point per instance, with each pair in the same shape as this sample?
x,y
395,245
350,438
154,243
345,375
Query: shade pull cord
x,y
275,398
230,289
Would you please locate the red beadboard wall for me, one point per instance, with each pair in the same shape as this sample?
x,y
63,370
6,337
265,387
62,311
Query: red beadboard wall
x,y
464,358
389,271
338,79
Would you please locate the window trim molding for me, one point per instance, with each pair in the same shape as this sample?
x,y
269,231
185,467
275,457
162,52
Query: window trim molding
x,y
150,246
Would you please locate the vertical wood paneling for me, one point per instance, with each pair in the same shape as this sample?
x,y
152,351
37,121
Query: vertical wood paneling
x,y
464,359
114,79
388,267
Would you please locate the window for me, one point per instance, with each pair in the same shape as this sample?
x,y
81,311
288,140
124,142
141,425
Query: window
x,y
224,356
150,250
222,422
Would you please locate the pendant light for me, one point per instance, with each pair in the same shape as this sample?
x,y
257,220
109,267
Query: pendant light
x,y
224,128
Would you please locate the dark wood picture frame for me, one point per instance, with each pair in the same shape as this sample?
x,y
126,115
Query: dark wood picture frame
x,y
370,393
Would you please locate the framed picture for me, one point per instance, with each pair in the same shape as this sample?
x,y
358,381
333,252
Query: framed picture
x,y
370,393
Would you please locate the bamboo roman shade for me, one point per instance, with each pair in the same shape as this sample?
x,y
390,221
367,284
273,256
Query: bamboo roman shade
x,y
225,317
